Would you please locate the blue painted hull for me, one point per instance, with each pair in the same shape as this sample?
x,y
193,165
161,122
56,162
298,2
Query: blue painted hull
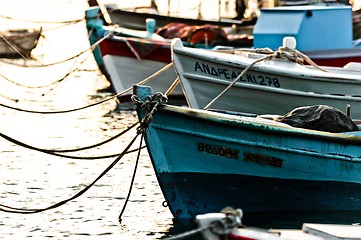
x,y
201,193
206,161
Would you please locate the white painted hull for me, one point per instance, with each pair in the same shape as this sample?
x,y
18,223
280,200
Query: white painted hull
x,y
126,72
271,87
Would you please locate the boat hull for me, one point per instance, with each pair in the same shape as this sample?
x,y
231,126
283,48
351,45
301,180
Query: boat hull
x,y
190,194
18,42
205,161
258,100
136,20
335,58
269,87
126,61
124,75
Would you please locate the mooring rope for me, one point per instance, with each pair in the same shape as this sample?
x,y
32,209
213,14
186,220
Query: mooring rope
x,y
10,209
149,107
57,82
133,176
14,46
93,104
72,70
62,111
91,48
221,227
47,22
235,80
57,152
282,53
172,87
62,26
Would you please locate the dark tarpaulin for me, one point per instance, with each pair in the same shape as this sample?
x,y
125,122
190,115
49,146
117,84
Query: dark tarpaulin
x,y
319,117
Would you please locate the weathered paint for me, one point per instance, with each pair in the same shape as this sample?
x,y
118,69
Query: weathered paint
x,y
278,167
270,87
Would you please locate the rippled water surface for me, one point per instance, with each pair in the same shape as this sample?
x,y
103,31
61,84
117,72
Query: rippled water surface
x,y
31,179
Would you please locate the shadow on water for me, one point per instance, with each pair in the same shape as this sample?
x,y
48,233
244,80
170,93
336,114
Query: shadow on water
x,y
181,226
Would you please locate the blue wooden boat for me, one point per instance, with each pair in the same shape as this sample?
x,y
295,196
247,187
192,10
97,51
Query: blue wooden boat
x,y
207,160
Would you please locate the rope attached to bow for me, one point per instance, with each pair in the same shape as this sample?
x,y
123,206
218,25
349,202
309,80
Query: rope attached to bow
x,y
291,55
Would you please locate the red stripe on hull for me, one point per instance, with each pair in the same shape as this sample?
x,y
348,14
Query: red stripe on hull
x,y
336,62
120,48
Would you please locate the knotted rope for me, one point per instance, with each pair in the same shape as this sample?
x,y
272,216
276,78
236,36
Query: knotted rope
x,y
149,106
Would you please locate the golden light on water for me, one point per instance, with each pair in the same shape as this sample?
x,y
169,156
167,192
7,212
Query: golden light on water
x,y
32,179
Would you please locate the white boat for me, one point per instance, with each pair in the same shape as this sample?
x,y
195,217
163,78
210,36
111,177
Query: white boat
x,y
126,69
18,42
274,85
128,56
228,224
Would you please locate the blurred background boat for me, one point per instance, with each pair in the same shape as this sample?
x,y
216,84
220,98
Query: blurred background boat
x,y
18,43
149,50
134,18
328,41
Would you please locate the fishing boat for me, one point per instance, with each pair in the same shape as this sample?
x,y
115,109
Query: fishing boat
x,y
310,26
263,81
206,160
136,17
128,56
15,43
135,20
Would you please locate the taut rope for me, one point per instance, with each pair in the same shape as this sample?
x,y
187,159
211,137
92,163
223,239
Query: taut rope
x,y
282,53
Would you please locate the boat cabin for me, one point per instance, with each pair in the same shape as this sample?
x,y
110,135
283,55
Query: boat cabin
x,y
315,27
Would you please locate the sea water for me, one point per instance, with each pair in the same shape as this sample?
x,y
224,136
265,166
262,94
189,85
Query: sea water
x,y
31,179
